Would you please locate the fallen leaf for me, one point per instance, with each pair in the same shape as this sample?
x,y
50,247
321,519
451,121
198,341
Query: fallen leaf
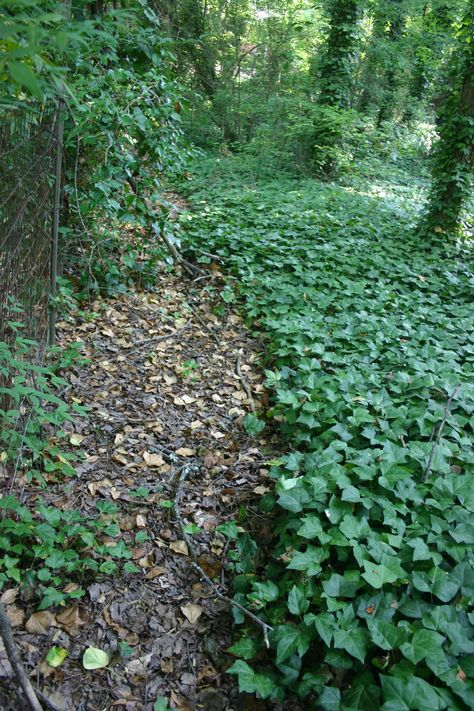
x,y
141,521
155,572
185,452
40,622
192,612
153,460
15,614
56,656
94,658
188,400
71,620
76,439
180,547
9,596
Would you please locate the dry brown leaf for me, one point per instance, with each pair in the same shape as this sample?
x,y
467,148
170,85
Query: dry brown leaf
x,y
153,460
119,458
141,521
16,615
145,562
192,612
180,547
196,424
9,596
185,452
155,572
188,400
71,620
40,622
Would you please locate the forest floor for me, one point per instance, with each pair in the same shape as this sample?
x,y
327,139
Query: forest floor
x,y
166,384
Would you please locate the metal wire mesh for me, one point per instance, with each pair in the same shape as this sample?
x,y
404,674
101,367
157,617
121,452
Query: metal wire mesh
x,y
28,146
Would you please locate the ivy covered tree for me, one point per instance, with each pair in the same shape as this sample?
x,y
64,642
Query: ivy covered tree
x,y
453,155
334,83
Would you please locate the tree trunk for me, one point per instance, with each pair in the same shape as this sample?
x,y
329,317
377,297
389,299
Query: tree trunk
x,y
453,156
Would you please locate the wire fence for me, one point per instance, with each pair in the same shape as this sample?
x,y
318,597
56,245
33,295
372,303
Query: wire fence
x,y
30,168
29,148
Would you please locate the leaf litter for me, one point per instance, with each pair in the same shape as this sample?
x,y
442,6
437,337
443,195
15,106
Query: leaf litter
x,y
162,389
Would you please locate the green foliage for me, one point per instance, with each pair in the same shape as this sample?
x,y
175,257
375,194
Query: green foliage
x,y
453,155
47,551
122,133
50,552
370,586
30,411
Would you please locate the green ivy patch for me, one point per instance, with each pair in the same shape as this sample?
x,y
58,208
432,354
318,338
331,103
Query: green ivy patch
x,y
370,337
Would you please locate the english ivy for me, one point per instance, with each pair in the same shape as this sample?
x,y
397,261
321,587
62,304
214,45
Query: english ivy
x,y
369,587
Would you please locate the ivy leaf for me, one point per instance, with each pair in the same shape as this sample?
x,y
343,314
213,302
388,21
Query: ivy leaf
x,y
386,635
290,639
355,641
409,694
425,643
250,681
245,648
378,575
330,699
252,425
297,602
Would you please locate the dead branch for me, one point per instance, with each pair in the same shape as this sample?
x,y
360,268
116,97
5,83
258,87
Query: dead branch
x,y
184,473
203,323
152,341
440,431
46,700
14,659
245,385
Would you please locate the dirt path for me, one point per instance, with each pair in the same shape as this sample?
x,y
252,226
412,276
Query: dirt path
x,y
163,392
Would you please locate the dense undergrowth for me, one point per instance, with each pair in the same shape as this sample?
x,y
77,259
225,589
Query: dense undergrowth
x,y
370,352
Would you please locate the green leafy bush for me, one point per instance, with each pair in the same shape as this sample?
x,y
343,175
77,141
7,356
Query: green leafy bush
x,y
370,585
47,551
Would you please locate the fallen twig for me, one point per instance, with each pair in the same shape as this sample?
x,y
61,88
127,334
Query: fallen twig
x,y
203,323
14,659
209,254
245,385
158,339
46,700
185,472
440,431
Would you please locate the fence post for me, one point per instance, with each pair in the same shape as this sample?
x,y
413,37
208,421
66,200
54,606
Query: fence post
x,y
55,235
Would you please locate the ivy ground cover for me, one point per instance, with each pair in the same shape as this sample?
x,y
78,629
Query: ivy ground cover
x,y
370,352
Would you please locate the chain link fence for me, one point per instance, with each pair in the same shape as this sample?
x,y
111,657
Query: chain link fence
x,y
28,192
